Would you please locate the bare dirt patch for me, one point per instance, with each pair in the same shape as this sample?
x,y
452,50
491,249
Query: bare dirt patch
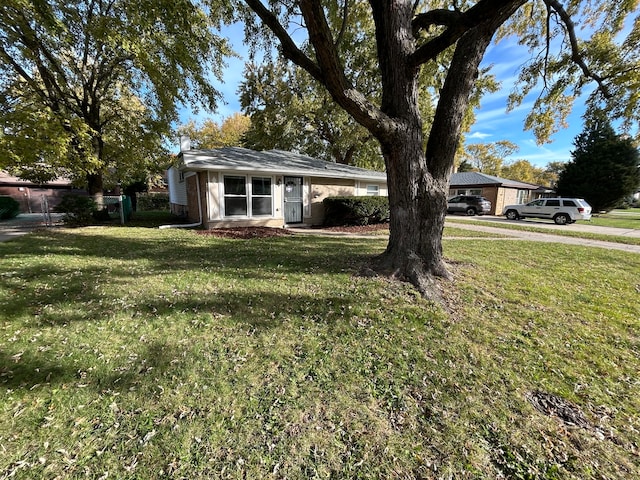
x,y
246,233
358,229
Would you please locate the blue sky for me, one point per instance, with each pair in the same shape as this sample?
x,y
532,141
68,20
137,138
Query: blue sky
x,y
493,123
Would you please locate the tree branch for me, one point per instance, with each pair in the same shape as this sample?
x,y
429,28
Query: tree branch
x,y
289,49
576,55
440,17
457,23
343,27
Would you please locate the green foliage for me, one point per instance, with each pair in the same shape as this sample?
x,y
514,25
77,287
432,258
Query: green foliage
x,y
290,111
153,201
78,210
356,210
9,208
605,167
489,157
213,135
90,88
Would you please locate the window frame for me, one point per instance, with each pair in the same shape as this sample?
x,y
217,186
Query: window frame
x,y
260,195
377,190
248,196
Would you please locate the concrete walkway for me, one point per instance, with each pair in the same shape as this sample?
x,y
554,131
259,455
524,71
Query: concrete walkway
x,y
25,223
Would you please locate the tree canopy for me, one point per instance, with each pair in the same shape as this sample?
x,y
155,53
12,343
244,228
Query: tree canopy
x,y
229,133
290,111
449,39
90,87
604,168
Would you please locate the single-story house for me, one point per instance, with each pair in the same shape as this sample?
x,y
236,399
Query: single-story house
x,y
499,191
237,187
32,196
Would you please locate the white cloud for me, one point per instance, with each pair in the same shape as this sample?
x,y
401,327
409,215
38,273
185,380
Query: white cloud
x,y
479,135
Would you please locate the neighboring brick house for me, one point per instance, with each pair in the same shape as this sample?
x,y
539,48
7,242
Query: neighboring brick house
x,y
499,191
30,195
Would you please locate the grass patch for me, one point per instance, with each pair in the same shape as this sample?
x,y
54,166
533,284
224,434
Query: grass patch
x,y
139,353
450,231
629,218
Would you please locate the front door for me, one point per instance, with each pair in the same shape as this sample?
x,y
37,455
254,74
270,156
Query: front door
x,y
292,200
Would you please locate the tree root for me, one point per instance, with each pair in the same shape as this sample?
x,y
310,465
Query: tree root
x,y
427,280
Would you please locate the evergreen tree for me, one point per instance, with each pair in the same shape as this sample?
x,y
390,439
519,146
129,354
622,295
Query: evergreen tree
x,y
605,167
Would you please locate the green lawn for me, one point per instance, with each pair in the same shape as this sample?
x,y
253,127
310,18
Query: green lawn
x,y
629,218
143,353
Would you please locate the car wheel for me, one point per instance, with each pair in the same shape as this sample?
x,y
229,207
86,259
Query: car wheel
x,y
471,211
562,219
512,215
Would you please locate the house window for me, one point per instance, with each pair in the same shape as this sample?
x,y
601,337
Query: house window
x,y
261,197
522,196
180,177
235,196
373,190
467,191
243,199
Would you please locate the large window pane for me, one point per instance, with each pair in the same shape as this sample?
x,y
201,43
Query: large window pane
x,y
235,206
261,205
235,185
260,186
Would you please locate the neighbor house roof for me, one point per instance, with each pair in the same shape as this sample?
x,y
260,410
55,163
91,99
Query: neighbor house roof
x,y
272,161
467,179
6,179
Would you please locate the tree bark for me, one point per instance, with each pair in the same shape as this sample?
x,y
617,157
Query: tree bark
x,y
417,199
95,185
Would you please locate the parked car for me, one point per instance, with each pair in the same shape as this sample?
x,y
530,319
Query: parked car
x,y
561,210
469,205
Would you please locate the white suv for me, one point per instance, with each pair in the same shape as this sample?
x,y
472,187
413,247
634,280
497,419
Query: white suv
x,y
562,210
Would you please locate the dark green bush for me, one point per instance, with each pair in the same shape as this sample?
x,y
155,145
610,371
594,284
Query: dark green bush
x,y
152,201
355,210
9,208
78,210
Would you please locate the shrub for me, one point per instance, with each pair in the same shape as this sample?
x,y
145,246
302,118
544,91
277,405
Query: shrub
x,y
9,208
355,210
152,201
78,210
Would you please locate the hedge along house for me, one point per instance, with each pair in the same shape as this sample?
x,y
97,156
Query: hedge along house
x,y
238,187
499,191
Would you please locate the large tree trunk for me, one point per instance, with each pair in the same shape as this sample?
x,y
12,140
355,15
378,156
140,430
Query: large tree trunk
x,y
417,200
95,185
418,205
418,179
